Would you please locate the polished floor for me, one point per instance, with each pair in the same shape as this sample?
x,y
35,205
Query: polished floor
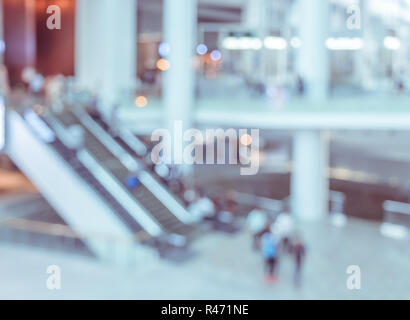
x,y
224,267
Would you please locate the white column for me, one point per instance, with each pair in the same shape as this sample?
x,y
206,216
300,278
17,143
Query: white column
x,y
254,18
309,178
369,53
179,28
106,47
313,61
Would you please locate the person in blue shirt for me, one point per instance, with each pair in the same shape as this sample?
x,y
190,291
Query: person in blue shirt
x,y
269,251
132,182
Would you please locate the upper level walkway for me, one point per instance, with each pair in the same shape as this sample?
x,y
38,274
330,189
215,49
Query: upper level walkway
x,y
375,112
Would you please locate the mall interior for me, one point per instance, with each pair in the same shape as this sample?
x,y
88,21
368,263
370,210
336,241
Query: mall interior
x,y
149,147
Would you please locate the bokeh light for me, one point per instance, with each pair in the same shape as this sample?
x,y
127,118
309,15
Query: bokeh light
x,y
163,64
164,49
216,55
141,101
246,139
201,49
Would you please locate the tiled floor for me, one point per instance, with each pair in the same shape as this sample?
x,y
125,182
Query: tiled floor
x,y
224,268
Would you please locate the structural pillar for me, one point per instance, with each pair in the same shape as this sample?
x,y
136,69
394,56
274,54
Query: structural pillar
x,y
368,55
180,25
309,178
255,19
180,33
106,48
313,60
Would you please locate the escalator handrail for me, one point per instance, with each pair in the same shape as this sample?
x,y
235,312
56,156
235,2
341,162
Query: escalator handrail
x,y
163,195
61,132
133,142
126,159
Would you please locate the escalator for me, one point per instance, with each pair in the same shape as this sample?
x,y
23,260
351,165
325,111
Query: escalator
x,y
117,163
68,186
88,185
135,147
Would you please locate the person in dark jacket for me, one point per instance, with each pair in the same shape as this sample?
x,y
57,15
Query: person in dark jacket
x,y
299,252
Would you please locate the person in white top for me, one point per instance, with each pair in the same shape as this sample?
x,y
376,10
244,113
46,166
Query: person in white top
x,y
283,227
201,208
257,220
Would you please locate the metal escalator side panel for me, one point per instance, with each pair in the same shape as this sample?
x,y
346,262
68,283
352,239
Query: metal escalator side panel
x,y
75,201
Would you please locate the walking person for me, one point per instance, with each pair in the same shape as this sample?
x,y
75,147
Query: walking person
x,y
283,228
257,220
269,250
299,252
